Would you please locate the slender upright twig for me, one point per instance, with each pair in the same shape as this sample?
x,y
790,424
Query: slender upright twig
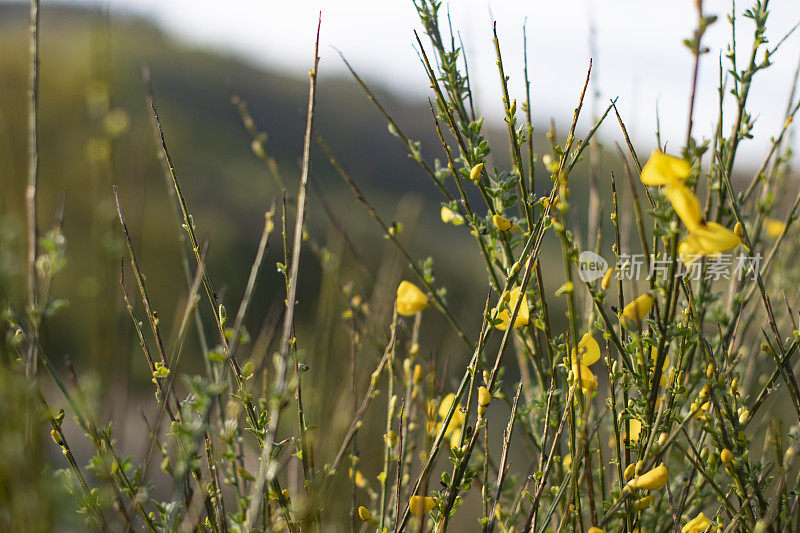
x,y
31,191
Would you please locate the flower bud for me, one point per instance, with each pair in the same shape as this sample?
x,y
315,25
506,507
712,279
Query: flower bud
x,y
421,505
738,230
417,374
726,456
607,279
744,417
642,503
364,514
630,470
475,173
652,479
484,397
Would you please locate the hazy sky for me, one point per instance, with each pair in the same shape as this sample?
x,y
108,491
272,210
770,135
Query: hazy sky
x,y
639,54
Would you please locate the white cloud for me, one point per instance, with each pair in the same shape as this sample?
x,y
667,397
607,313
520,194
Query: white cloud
x,y
640,55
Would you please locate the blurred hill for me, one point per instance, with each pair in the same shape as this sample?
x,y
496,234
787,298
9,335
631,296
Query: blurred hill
x,y
95,131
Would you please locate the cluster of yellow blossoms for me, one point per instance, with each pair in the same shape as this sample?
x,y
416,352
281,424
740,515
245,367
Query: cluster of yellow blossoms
x,y
704,237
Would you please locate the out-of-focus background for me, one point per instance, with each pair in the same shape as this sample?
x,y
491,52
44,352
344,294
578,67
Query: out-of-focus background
x,y
96,132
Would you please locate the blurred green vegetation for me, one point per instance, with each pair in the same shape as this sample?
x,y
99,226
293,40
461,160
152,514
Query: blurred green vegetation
x,y
96,131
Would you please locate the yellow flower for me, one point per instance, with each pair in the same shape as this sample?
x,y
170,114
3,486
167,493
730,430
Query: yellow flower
x,y
448,216
458,417
642,503
685,204
506,306
589,350
663,169
636,429
365,515
455,439
594,529
651,480
715,238
635,311
588,381
421,505
431,426
698,524
484,398
774,227
417,376
359,480
410,300
689,250
503,224
708,239
699,411
475,173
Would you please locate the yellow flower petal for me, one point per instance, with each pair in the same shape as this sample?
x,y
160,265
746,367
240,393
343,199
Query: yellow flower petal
x,y
504,309
685,204
774,227
421,505
715,239
588,381
594,529
417,376
690,250
663,169
458,417
651,480
635,311
698,524
642,503
448,216
360,480
636,429
501,222
410,300
455,439
630,470
446,404
589,350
